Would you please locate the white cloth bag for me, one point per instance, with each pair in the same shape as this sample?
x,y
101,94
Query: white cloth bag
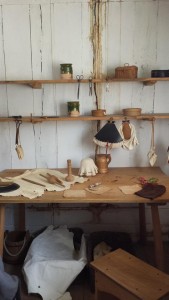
x,y
52,264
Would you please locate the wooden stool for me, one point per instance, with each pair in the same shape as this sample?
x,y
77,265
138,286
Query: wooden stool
x,y
128,278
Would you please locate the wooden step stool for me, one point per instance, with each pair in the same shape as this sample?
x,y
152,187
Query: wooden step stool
x,y
128,278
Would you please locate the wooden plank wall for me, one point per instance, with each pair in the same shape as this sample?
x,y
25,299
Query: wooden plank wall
x,y
36,36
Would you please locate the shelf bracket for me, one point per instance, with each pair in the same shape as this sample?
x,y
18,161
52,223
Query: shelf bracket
x,y
149,82
35,84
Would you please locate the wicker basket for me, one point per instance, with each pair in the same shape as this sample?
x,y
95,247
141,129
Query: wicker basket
x,y
127,71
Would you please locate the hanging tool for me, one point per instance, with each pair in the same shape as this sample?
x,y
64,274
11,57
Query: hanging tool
x,y
152,156
168,155
18,146
79,78
90,86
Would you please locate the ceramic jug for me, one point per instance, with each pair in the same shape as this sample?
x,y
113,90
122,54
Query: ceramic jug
x,y
102,162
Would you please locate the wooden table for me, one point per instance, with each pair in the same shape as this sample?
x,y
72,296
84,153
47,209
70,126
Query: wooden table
x,y
114,178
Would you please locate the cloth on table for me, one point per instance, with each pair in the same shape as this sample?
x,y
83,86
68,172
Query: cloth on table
x,y
9,285
52,263
32,190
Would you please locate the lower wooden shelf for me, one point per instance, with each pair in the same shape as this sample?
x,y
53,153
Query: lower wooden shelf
x,y
40,119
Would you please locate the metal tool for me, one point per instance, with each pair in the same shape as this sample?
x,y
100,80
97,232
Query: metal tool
x,y
94,187
79,78
90,86
107,87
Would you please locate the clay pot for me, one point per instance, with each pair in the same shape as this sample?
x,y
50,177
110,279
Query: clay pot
x,y
98,112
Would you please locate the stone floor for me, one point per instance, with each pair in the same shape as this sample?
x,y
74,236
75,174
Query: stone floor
x,y
80,288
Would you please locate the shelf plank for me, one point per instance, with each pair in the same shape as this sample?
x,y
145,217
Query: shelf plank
x,y
40,119
38,83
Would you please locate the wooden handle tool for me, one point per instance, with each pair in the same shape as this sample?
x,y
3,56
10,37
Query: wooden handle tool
x,y
52,179
33,182
69,177
56,179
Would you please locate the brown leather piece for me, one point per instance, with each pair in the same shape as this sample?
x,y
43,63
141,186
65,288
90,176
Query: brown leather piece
x,y
151,191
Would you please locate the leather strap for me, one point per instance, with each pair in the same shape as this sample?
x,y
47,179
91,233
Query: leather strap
x,y
18,123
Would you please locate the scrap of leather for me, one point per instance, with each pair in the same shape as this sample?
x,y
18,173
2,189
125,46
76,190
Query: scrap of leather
x,y
126,130
74,193
130,189
9,188
151,191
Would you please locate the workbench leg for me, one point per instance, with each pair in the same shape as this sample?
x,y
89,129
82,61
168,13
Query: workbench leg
x,y
158,243
21,223
142,219
2,225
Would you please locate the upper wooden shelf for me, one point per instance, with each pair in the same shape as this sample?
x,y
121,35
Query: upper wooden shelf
x,y
37,84
40,119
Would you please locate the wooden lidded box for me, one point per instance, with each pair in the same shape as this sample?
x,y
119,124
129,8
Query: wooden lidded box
x,y
127,71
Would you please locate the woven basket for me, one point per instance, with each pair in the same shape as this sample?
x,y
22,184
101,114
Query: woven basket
x,y
129,72
133,112
16,245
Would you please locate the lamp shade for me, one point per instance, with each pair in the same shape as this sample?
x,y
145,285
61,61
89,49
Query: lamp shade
x,y
108,136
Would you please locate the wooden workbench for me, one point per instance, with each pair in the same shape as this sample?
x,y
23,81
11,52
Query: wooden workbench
x,y
114,178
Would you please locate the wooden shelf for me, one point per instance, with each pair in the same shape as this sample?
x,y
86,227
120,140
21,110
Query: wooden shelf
x,y
37,84
40,119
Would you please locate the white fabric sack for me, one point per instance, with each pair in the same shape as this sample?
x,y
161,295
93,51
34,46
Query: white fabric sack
x,y
52,264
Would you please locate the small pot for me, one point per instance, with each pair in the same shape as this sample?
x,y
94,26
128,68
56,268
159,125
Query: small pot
x,y
160,73
98,112
73,108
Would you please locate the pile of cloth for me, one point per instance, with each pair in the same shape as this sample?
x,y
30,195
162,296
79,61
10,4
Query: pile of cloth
x,y
52,263
9,285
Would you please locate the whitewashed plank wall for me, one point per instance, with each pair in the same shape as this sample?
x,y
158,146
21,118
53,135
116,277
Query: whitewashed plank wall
x,y
35,37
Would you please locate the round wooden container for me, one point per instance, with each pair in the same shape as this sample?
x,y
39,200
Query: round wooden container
x,y
132,112
98,112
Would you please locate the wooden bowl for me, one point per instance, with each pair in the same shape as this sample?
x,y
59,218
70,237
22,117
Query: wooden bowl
x,y
133,112
98,112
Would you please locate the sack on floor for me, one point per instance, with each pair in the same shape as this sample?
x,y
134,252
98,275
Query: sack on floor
x,y
16,245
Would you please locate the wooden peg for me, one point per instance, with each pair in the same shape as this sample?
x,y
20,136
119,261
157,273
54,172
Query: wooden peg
x,y
69,177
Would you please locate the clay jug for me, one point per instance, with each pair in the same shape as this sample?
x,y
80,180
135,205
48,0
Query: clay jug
x,y
102,162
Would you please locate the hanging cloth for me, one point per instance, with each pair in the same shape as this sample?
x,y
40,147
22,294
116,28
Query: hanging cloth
x,y
128,133
18,147
152,156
